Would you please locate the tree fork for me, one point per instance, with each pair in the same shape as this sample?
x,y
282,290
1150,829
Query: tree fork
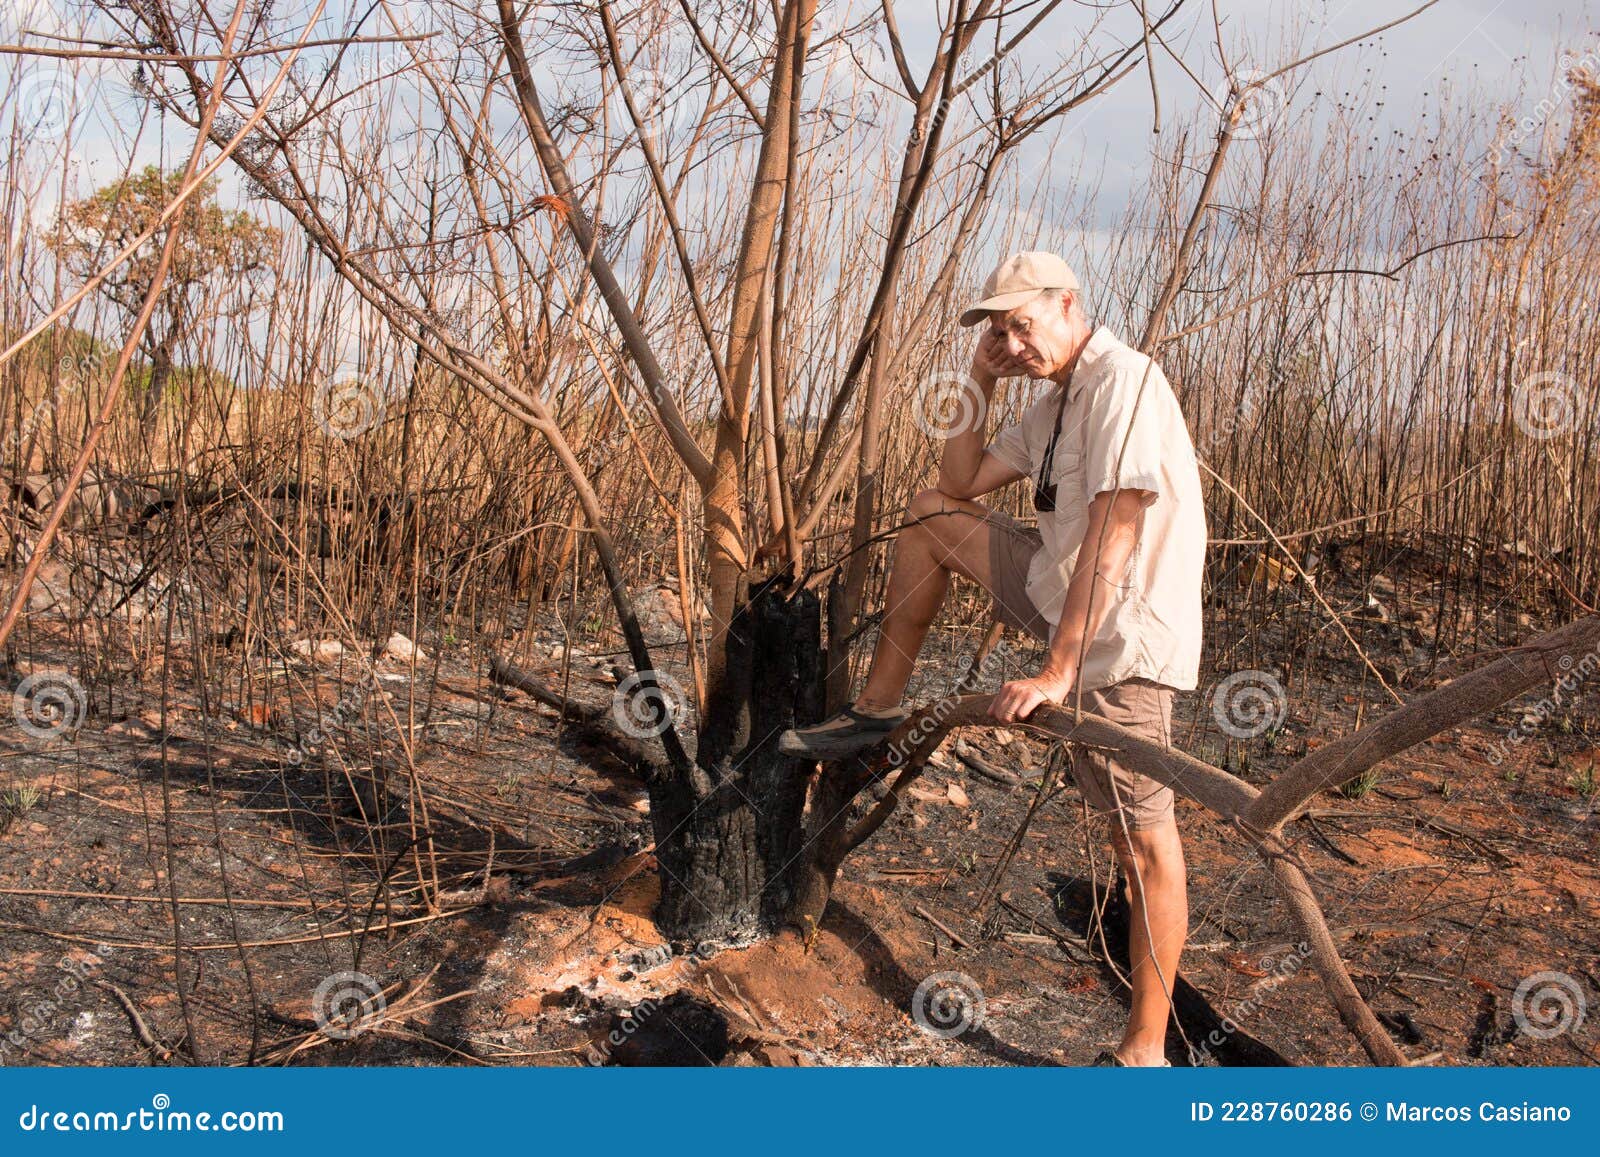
x,y
732,846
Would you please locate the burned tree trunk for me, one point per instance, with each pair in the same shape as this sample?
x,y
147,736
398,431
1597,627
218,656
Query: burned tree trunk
x,y
730,838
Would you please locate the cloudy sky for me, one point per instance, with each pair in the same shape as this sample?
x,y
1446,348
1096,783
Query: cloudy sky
x,y
1499,48
1496,51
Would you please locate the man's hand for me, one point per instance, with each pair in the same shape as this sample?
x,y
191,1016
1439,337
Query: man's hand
x,y
1017,699
992,359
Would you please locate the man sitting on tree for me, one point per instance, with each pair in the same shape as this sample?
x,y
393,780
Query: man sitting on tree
x,y
1110,579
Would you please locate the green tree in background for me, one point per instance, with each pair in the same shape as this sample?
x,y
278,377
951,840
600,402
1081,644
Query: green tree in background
x,y
216,247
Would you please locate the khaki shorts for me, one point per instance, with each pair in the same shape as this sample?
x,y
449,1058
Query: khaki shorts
x,y
1011,548
1141,705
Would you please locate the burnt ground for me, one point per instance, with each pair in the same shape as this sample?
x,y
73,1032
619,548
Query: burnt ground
x,y
521,933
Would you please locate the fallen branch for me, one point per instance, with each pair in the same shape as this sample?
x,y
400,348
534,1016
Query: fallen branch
x,y
1570,652
940,925
1211,787
984,768
140,1028
594,723
230,946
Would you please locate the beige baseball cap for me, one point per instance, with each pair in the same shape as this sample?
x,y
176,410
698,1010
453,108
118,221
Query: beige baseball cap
x,y
1018,279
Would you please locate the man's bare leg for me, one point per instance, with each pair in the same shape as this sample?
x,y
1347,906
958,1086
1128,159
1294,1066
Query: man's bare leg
x,y
1157,896
946,536
942,536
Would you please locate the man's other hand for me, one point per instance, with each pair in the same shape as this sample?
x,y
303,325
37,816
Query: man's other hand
x,y
1017,699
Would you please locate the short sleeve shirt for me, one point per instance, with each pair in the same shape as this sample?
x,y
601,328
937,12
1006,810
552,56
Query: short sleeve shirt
x,y
1121,428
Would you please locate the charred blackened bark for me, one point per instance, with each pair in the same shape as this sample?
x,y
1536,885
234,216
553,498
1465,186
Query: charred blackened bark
x,y
836,826
732,844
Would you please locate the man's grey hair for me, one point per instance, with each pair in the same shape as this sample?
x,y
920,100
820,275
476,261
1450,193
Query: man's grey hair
x,y
1077,300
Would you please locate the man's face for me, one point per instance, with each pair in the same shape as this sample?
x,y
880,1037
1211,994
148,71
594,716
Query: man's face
x,y
1036,335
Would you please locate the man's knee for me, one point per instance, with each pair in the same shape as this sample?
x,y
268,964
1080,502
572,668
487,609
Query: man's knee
x,y
946,531
945,520
1150,851
928,503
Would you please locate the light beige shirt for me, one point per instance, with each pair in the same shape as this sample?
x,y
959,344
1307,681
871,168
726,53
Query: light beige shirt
x,y
1152,628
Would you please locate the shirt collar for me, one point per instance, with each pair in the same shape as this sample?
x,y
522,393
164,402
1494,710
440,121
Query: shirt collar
x,y
1101,342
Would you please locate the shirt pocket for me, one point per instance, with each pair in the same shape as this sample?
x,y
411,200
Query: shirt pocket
x,y
1064,526
1067,473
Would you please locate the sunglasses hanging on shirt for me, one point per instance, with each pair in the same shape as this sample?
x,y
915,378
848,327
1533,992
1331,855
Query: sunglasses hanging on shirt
x,y
1044,487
